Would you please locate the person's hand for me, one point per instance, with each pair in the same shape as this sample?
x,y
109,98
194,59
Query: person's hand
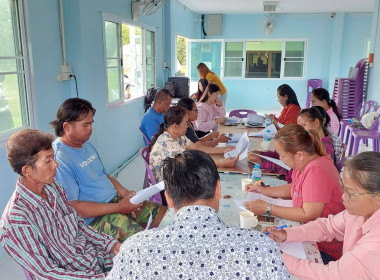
x,y
228,162
277,235
220,120
222,138
126,207
115,249
194,96
218,103
254,158
254,188
275,121
214,134
256,206
272,117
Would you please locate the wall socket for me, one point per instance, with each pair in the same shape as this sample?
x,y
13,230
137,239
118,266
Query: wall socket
x,y
66,73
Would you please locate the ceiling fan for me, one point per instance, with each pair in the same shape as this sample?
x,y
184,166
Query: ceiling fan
x,y
150,7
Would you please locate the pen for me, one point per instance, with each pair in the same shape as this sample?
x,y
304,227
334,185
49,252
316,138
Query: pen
x,y
277,228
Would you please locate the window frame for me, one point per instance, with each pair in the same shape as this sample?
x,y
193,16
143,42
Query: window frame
x,y
283,41
28,97
120,20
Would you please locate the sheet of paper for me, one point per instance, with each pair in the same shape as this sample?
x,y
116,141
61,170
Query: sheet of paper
x,y
255,120
253,196
146,193
235,137
274,160
241,149
294,249
232,121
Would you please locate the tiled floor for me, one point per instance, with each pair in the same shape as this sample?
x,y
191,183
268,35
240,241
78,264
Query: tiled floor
x,y
131,177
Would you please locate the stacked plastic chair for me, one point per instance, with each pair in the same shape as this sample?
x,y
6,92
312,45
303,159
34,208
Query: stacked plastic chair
x,y
312,84
349,93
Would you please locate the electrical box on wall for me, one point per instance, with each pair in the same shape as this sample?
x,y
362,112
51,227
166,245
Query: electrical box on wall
x,y
214,25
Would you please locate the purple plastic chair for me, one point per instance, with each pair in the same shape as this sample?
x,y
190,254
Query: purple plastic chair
x,y
149,177
345,124
365,134
241,113
146,139
28,275
312,84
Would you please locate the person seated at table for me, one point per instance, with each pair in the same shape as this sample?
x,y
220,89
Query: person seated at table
x,y
321,97
202,84
171,140
155,115
337,143
197,245
95,195
210,111
310,118
315,188
358,226
39,229
212,139
288,99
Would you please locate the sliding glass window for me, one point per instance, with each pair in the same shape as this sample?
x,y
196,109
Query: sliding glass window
x,y
14,72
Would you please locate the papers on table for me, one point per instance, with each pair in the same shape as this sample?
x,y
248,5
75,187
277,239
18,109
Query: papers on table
x,y
253,196
272,128
274,160
294,249
241,149
235,137
144,194
232,121
255,120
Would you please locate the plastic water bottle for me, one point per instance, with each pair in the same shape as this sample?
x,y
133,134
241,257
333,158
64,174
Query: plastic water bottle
x,y
256,173
267,136
268,122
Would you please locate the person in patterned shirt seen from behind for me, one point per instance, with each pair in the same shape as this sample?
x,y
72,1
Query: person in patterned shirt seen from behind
x,y
198,245
39,229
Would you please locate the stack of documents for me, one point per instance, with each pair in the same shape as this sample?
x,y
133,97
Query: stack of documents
x,y
255,120
235,137
232,121
241,148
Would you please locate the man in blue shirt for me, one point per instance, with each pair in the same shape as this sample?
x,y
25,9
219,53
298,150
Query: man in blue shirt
x,y
99,198
155,115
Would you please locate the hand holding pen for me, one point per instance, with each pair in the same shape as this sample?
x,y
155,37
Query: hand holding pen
x,y
278,234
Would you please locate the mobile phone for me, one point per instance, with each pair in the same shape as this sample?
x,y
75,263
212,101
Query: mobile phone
x,y
266,219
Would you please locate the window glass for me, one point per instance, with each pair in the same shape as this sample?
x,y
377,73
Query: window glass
x,y
233,57
181,63
13,69
294,59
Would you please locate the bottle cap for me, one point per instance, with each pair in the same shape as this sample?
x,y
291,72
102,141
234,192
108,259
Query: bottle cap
x,y
257,166
268,130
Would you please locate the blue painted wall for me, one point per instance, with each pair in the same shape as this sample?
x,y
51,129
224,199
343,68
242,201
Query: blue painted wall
x,y
333,45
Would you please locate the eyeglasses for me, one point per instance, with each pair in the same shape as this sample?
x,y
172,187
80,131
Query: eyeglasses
x,y
350,195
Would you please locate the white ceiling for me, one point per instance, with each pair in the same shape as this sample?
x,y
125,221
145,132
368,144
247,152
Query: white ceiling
x,y
283,6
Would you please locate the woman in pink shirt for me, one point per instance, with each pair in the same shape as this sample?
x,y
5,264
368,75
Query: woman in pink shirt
x,y
315,188
210,111
321,97
358,227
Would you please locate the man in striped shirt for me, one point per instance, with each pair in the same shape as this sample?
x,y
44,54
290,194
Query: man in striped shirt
x,y
39,228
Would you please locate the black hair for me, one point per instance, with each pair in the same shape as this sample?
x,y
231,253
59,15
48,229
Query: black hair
x,y
189,177
363,170
162,95
174,115
204,83
71,110
210,89
186,102
314,113
284,90
322,94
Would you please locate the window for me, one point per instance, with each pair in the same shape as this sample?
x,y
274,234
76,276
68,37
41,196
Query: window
x,y
130,60
181,65
14,72
264,59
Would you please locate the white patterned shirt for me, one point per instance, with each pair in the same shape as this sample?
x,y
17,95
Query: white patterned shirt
x,y
198,245
164,147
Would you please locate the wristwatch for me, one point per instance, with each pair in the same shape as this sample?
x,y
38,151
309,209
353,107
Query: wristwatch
x,y
268,212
